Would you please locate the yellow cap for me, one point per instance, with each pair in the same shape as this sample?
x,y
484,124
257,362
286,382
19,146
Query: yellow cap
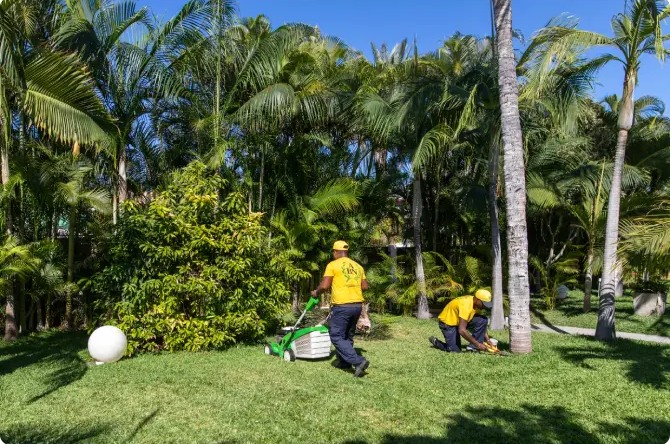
x,y
341,245
485,297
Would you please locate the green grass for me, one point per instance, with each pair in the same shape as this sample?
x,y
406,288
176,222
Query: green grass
x,y
569,313
570,390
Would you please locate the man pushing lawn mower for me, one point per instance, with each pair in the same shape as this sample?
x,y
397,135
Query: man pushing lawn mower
x,y
459,316
347,282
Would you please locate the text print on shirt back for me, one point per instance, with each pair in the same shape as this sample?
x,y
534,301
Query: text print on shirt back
x,y
350,271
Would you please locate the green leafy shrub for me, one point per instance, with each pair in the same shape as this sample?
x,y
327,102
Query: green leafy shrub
x,y
650,286
192,269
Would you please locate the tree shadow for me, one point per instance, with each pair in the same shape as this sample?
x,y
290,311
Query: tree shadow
x,y
34,433
647,363
146,420
543,319
532,424
56,349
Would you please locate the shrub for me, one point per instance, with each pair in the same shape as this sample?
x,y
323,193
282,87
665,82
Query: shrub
x,y
192,269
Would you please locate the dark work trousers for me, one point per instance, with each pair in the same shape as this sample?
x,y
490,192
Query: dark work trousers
x,y
477,326
341,327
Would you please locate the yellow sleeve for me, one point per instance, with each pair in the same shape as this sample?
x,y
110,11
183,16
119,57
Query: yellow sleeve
x,y
464,309
363,271
330,270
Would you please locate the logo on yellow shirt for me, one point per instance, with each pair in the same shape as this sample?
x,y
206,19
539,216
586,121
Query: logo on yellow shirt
x,y
349,271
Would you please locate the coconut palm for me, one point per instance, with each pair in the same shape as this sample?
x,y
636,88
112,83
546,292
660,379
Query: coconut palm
x,y
515,183
637,31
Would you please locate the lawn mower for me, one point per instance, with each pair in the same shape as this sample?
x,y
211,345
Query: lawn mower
x,y
303,343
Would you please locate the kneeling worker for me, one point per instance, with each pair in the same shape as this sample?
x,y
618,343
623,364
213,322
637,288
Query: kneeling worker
x,y
346,279
459,316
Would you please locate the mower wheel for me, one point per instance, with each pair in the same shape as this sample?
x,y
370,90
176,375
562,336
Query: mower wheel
x,y
289,355
268,349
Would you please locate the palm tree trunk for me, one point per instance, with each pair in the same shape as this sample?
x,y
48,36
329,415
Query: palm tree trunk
x,y
498,310
515,182
437,211
11,332
4,158
115,208
260,183
296,300
618,279
40,319
48,313
72,233
588,280
123,182
21,292
56,225
605,330
417,208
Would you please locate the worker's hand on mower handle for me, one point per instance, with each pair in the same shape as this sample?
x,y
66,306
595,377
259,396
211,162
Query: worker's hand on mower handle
x,y
313,293
313,302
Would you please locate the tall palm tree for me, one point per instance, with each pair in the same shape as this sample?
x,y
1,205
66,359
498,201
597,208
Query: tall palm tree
x,y
637,31
51,89
71,177
515,182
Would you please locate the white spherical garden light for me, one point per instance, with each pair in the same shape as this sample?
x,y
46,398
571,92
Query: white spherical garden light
x,y
107,344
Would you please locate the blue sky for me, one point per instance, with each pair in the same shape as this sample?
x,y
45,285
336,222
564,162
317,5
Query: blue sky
x,y
359,22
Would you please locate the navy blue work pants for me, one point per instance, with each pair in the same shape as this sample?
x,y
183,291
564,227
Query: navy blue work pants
x,y
341,327
477,327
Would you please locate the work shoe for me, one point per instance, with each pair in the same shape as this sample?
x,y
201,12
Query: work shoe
x,y
471,348
433,340
360,368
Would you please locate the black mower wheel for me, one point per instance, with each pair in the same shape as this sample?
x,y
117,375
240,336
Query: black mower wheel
x,y
289,355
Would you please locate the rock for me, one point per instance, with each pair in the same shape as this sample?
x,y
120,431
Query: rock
x,y
563,292
649,304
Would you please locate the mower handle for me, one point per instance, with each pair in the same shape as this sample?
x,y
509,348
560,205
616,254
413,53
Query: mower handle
x,y
313,302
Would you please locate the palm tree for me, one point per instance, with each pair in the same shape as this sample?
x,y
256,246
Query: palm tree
x,y
637,31
515,182
48,88
15,261
71,179
302,228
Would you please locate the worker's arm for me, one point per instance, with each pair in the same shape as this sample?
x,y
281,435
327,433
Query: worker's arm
x,y
323,286
364,285
463,331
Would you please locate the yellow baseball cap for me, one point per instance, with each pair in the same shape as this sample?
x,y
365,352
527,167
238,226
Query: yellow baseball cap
x,y
341,245
485,297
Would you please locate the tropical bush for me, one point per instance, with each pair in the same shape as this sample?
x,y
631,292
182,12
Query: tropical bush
x,y
192,269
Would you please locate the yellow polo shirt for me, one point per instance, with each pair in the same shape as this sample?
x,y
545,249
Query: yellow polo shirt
x,y
347,277
459,308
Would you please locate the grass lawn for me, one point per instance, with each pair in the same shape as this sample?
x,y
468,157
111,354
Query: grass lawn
x,y
569,313
570,390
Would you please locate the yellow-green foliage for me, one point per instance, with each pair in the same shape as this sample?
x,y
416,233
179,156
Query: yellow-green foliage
x,y
192,269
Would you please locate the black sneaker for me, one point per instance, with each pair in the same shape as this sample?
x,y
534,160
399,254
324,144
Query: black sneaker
x,y
360,368
433,340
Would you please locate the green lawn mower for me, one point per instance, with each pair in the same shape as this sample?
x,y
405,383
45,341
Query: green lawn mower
x,y
303,343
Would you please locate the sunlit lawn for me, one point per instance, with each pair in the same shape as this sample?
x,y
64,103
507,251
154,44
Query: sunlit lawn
x,y
570,313
570,390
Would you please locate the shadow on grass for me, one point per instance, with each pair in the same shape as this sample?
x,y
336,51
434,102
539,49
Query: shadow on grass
x,y
150,417
33,434
647,363
533,424
56,349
